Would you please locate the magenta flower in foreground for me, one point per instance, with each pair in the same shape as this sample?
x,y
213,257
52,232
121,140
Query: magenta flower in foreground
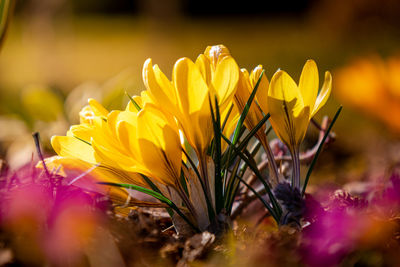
x,y
50,221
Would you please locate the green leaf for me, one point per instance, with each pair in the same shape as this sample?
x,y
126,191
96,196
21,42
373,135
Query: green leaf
x,y
269,208
246,110
230,194
253,167
227,117
253,132
210,209
243,169
80,139
239,130
156,195
216,119
310,169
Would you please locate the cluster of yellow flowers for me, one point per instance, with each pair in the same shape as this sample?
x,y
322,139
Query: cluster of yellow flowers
x,y
143,145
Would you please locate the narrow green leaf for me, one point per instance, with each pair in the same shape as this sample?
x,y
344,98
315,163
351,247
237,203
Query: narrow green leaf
x,y
253,132
80,139
183,183
310,169
133,102
243,169
245,111
210,209
155,188
239,130
229,195
150,183
227,117
253,167
156,195
216,119
269,208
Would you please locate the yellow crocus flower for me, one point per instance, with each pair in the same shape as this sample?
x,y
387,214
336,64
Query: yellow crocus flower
x,y
292,106
187,97
154,142
95,142
244,89
246,85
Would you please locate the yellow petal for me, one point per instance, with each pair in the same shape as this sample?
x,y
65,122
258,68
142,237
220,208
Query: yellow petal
x,y
225,79
283,88
67,146
147,97
308,85
216,53
127,136
204,65
241,97
301,124
191,87
158,85
263,87
74,171
324,94
231,122
97,108
132,107
116,157
286,108
82,131
159,145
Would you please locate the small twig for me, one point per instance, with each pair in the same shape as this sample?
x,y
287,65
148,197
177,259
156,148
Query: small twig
x,y
247,199
322,127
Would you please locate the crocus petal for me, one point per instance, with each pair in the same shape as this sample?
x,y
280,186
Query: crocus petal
x,y
216,53
132,107
97,108
73,169
126,133
82,131
285,105
308,84
190,86
301,124
68,146
263,87
225,80
241,97
111,156
159,145
204,65
324,94
283,88
158,85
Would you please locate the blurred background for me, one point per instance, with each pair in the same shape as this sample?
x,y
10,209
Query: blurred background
x,y
58,53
